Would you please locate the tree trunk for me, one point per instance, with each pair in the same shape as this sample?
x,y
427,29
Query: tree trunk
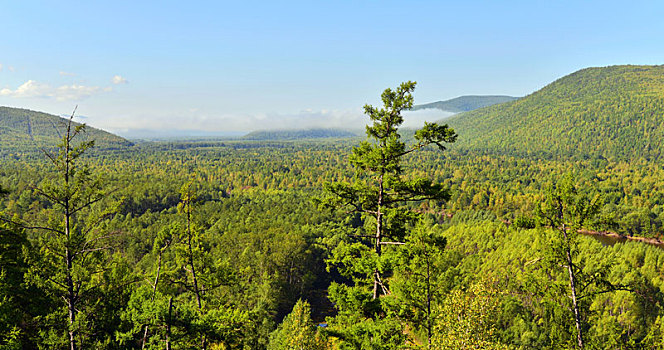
x,y
577,318
193,273
168,326
379,231
154,292
69,263
572,285
71,301
191,262
429,326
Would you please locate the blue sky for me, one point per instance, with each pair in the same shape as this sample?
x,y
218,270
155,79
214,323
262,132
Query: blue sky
x,y
240,66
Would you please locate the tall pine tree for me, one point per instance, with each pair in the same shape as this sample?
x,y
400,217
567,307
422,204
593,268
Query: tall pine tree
x,y
71,246
379,196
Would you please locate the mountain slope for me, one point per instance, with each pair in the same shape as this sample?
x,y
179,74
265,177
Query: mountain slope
x,y
465,103
24,130
613,112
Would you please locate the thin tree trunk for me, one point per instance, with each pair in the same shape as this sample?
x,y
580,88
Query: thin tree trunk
x,y
69,263
145,337
71,302
577,317
168,326
572,285
379,231
429,327
193,273
191,263
154,292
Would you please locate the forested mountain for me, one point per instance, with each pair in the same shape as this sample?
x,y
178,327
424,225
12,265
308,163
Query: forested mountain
x,y
612,112
465,103
271,135
24,130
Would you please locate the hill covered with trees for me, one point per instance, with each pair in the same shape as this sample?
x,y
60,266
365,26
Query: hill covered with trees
x,y
23,130
465,103
610,112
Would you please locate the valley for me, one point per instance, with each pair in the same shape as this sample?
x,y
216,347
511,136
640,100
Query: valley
x,y
235,243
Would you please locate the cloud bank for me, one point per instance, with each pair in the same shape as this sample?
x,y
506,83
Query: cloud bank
x,y
196,120
35,89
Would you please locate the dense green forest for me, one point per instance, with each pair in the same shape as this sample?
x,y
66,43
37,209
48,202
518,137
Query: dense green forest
x,y
442,239
23,130
611,112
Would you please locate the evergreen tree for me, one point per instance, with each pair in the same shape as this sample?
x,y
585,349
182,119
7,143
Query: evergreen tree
x,y
417,284
70,243
149,308
14,297
378,197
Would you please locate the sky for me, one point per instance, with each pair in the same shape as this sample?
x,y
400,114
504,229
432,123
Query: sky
x,y
219,66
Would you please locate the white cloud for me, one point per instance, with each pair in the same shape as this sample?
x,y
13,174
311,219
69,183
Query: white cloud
x,y
75,92
67,74
117,80
416,119
30,88
201,119
338,119
211,121
0,67
35,89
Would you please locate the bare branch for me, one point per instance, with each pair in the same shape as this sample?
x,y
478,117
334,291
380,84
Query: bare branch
x,y
31,227
50,197
393,243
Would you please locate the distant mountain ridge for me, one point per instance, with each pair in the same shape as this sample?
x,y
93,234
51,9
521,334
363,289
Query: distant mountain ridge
x,y
272,135
465,103
25,130
614,112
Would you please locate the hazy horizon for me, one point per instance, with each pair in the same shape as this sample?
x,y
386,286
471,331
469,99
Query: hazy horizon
x,y
353,122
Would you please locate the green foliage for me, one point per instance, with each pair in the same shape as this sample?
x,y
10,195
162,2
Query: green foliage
x,y
298,332
378,197
71,259
26,132
15,303
468,319
599,113
565,211
379,191
421,278
254,212
534,307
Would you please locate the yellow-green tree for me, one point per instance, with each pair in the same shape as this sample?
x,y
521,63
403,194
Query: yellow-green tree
x,y
466,320
298,332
